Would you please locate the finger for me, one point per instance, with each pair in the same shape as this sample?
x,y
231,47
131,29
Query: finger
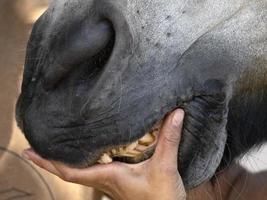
x,y
98,175
101,176
39,161
169,139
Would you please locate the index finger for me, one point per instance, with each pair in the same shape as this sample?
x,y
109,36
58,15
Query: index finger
x,y
96,175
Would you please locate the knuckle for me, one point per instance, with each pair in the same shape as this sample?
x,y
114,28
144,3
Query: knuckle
x,y
107,182
107,179
170,139
40,164
111,179
67,176
168,170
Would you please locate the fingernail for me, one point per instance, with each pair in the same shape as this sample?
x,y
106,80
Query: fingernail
x,y
25,155
178,117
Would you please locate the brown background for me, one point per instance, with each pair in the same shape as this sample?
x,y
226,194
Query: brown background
x,y
19,179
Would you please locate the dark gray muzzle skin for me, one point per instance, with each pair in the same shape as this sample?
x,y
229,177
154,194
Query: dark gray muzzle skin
x,y
100,73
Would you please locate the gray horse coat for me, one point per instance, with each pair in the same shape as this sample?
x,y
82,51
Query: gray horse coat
x,y
100,73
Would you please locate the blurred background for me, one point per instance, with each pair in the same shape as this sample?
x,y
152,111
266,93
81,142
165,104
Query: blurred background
x,y
19,179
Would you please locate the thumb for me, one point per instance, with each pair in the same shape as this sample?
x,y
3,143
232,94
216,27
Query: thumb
x,y
169,138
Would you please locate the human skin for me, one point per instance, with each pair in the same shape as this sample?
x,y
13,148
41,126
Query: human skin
x,y
157,178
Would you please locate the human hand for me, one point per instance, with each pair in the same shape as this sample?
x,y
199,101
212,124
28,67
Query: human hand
x,y
153,179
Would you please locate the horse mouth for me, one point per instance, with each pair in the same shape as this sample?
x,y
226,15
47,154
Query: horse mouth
x,y
135,152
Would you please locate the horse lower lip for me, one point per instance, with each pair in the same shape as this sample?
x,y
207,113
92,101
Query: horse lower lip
x,y
134,152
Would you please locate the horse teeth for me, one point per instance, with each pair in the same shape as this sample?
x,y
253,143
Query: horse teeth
x,y
141,148
133,152
105,159
121,150
130,154
131,146
146,140
114,151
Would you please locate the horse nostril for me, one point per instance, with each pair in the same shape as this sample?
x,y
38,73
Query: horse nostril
x,y
75,48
